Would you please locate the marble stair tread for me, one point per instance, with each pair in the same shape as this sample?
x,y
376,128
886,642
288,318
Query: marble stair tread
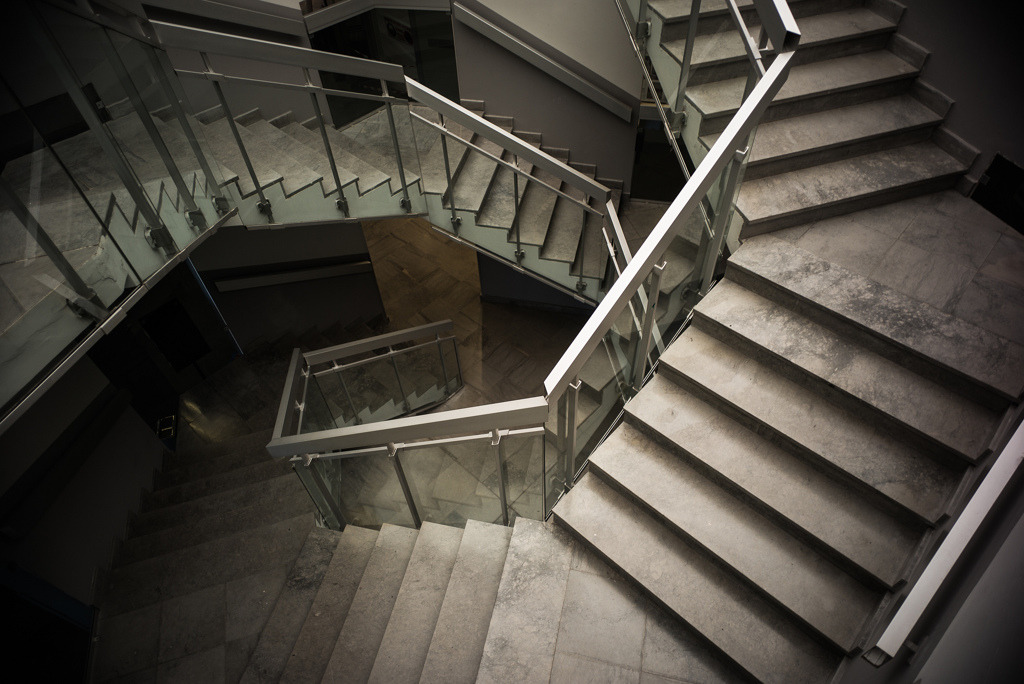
x,y
723,98
499,207
366,176
277,638
432,167
283,498
210,450
820,509
734,314
457,644
367,619
405,644
225,150
767,265
780,566
298,151
379,154
826,189
833,129
840,441
598,371
562,241
537,207
327,613
265,470
750,631
520,644
203,565
476,176
592,253
173,474
680,9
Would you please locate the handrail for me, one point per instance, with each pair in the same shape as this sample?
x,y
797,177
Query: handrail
x,y
485,128
201,40
508,414
422,444
370,343
650,253
949,552
336,368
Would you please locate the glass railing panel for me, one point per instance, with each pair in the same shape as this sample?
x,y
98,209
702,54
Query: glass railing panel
x,y
523,452
557,466
316,414
366,489
454,481
339,400
452,368
375,388
425,375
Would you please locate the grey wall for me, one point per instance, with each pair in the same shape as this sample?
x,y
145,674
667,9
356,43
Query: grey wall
x,y
540,104
976,60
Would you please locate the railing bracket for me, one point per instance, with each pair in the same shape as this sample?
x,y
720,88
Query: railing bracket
x,y
307,459
264,207
520,255
405,204
196,220
342,203
495,436
581,285
221,204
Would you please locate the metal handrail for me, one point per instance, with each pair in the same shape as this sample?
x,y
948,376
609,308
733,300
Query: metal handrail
x,y
652,251
336,368
340,351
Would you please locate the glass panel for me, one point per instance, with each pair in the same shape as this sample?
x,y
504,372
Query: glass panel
x,y
366,489
423,378
524,473
340,403
375,389
555,452
452,367
316,414
454,482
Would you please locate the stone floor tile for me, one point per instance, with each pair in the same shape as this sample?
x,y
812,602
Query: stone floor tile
x,y
128,642
602,619
192,623
250,600
1006,261
954,239
994,305
206,667
236,656
570,669
853,245
672,651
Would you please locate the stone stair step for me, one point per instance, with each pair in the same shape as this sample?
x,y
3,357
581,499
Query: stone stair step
x,y
374,142
562,241
327,614
810,88
212,450
360,637
405,644
847,446
949,350
499,207
285,499
536,209
274,648
819,509
747,629
476,176
776,564
521,637
461,630
432,167
225,150
831,135
169,496
877,388
314,161
592,255
838,187
204,565
371,156
365,175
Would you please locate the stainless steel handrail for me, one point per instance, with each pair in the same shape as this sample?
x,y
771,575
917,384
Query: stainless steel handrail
x,y
380,357
340,351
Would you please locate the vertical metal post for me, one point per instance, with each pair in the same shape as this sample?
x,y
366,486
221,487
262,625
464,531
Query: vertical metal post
x,y
499,453
264,203
515,217
395,461
640,362
300,404
398,376
722,217
342,203
581,284
175,96
450,190
195,216
571,406
691,37
320,492
406,203
444,366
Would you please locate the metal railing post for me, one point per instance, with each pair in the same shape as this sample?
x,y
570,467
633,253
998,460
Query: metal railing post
x,y
499,454
398,376
515,217
406,202
450,190
342,203
444,366
320,492
264,203
691,37
571,404
395,461
722,217
640,362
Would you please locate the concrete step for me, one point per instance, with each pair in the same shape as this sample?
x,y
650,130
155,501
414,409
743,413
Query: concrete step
x,y
366,175
877,389
818,509
592,254
843,444
950,351
803,141
839,187
520,644
536,209
406,641
213,450
274,648
432,162
734,619
203,565
777,565
330,607
476,176
499,207
314,160
457,644
270,166
562,241
267,469
371,139
367,620
814,87
284,498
